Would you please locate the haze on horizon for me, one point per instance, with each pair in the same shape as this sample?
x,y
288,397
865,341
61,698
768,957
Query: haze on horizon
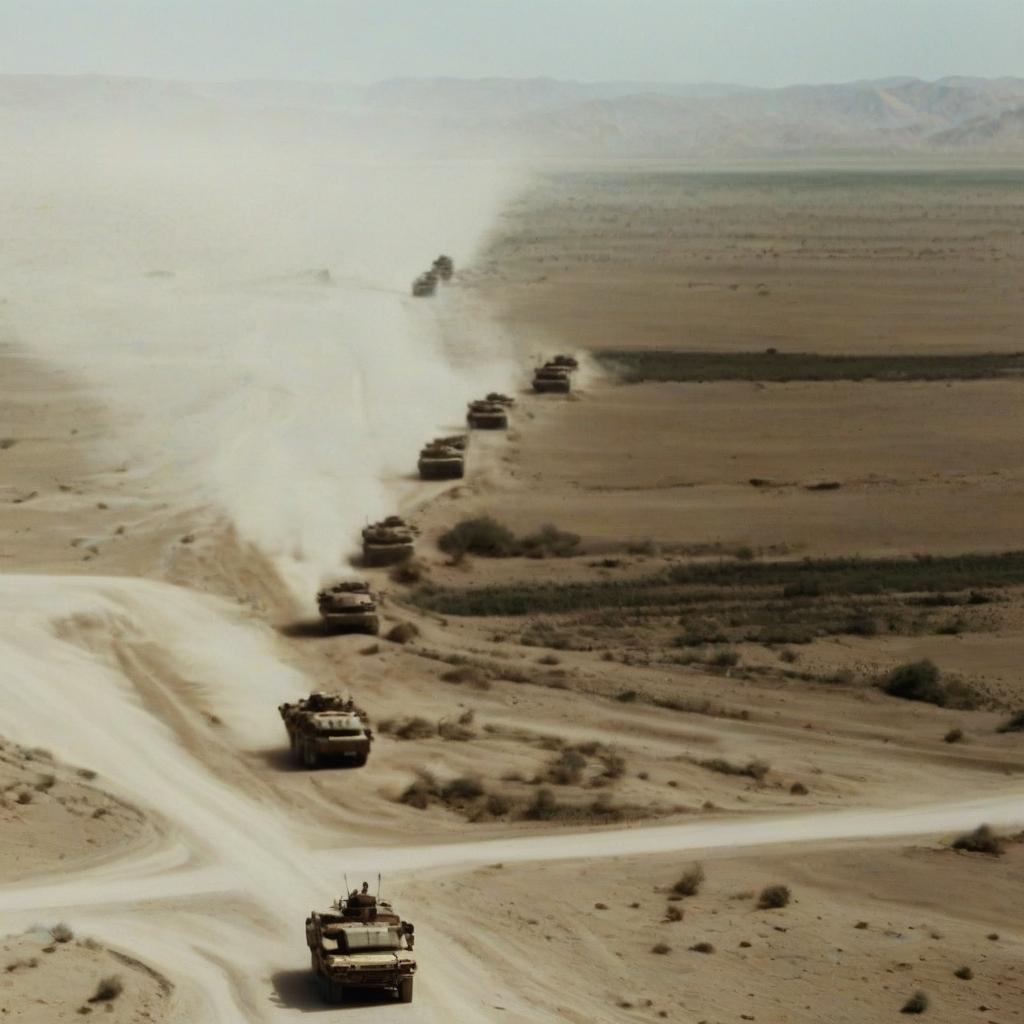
x,y
746,42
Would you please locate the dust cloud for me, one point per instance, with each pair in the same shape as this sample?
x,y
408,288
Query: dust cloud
x,y
236,292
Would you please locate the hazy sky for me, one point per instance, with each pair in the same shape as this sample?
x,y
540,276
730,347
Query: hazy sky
x,y
759,42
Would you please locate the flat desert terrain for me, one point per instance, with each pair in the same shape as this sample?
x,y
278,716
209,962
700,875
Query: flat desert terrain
x,y
661,773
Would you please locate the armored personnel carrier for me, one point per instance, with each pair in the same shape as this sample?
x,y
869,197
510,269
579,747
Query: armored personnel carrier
x,y
569,362
348,607
551,378
443,267
425,284
361,943
443,459
388,542
324,726
484,415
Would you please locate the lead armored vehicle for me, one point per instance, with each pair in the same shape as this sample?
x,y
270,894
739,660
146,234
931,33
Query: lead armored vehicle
x,y
388,542
348,607
551,378
425,284
443,267
484,415
323,727
361,943
443,459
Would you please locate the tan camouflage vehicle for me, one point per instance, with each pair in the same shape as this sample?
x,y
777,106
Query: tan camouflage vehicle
x,y
348,607
425,284
484,415
388,542
361,943
443,267
551,378
323,727
497,396
443,459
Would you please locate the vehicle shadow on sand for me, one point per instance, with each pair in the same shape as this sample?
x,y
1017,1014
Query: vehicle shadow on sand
x,y
296,990
303,629
279,759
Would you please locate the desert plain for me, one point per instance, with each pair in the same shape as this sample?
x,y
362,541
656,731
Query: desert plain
x,y
652,775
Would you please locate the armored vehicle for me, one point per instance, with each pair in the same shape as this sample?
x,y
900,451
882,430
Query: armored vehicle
x,y
443,267
425,284
443,460
388,542
497,396
569,362
361,943
551,378
348,607
324,726
483,415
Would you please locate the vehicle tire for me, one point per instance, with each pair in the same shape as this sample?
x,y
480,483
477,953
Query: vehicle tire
x,y
405,990
309,755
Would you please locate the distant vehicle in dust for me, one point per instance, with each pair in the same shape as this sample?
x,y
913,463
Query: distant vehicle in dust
x,y
444,267
550,377
388,542
361,943
569,362
348,607
485,415
327,727
443,459
425,284
497,396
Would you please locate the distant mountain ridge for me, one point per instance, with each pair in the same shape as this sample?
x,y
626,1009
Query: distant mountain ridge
x,y
553,118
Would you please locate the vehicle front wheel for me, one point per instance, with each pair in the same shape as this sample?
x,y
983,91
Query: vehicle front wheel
x,y
405,990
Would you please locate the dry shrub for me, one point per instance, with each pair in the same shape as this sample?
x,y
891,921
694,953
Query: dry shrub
x,y
661,948
917,1003
567,768
402,632
799,789
543,807
460,730
954,736
465,787
756,769
964,973
108,989
690,881
702,947
410,572
25,796
421,791
411,729
773,897
1014,724
981,840
673,914
62,932
498,804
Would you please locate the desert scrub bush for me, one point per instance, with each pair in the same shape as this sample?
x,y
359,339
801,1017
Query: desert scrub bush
x,y
410,572
772,897
45,783
673,914
421,790
963,973
702,947
981,840
62,932
461,789
567,768
917,1003
402,632
922,681
756,769
661,948
25,796
690,881
108,989
498,805
543,806
408,728
1014,724
954,735
482,535
725,658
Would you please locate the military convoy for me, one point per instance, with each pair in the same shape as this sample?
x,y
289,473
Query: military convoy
x,y
443,459
348,607
487,415
323,727
361,943
388,542
440,270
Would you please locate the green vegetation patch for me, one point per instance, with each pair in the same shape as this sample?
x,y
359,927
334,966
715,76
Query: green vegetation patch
x,y
804,581
771,365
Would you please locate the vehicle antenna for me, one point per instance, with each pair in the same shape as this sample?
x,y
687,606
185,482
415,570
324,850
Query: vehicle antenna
x,y
378,886
347,889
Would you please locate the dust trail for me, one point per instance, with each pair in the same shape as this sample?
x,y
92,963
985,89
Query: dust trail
x,y
240,299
